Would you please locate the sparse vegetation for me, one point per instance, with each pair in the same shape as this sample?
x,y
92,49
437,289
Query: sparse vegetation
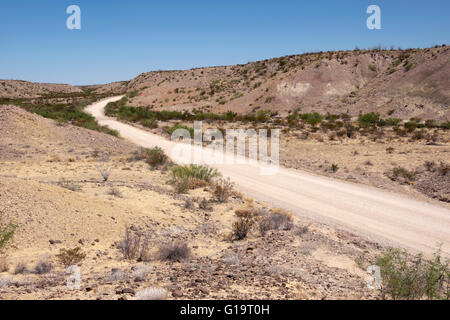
x,y
6,234
175,251
223,189
408,277
71,257
134,246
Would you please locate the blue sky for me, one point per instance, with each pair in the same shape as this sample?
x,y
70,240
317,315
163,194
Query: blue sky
x,y
121,39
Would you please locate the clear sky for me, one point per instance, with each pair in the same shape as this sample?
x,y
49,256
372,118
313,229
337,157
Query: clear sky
x,y
120,39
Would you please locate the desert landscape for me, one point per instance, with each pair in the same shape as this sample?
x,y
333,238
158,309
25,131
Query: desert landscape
x,y
75,191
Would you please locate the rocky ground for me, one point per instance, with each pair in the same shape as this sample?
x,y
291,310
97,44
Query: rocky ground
x,y
52,187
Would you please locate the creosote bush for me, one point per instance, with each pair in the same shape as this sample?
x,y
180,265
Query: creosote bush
x,y
156,157
247,216
406,277
276,219
70,257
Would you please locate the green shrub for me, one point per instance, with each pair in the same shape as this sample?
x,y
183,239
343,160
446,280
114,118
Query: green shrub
x,y
70,257
368,119
6,234
155,157
312,118
373,68
201,172
404,173
412,278
410,126
445,125
393,121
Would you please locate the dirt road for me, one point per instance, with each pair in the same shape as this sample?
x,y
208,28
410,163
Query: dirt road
x,y
369,212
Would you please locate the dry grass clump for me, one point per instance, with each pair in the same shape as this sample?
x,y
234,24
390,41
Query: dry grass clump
x,y
175,251
134,246
115,192
69,185
21,268
222,189
43,267
4,265
276,219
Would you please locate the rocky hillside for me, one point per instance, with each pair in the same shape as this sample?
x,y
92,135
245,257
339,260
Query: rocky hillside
x,y
397,83
24,89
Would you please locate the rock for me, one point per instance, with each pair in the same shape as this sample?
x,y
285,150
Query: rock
x,y
127,291
204,290
177,294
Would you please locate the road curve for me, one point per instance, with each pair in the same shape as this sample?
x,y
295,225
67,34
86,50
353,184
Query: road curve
x,y
375,214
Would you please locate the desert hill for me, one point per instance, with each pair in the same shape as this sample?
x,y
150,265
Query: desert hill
x,y
396,83
413,83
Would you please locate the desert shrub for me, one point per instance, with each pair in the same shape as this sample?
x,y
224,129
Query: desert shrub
x,y
408,65
368,119
194,174
390,150
152,294
181,185
445,125
4,265
43,267
70,257
175,251
400,172
393,121
115,192
410,126
414,277
223,189
21,268
155,157
6,234
312,118
204,204
247,216
443,169
430,124
334,168
430,166
171,130
149,123
69,185
134,246
399,131
373,68
105,172
276,219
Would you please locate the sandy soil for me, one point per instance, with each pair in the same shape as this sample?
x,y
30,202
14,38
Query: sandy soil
x,y
51,187
381,215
